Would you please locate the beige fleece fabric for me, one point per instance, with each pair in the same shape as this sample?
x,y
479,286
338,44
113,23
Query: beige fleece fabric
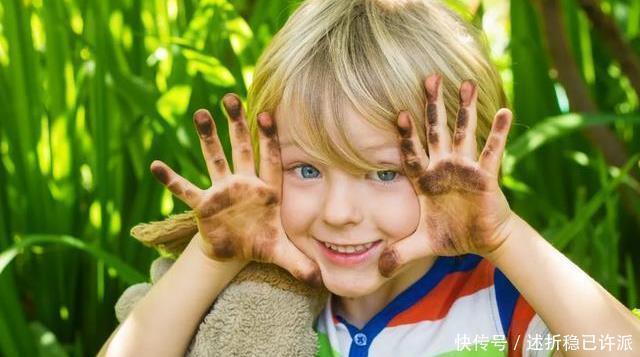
x,y
264,311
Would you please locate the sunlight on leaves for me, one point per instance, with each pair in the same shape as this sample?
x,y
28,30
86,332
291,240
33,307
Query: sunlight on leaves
x,y
167,203
173,104
95,215
578,157
240,34
210,67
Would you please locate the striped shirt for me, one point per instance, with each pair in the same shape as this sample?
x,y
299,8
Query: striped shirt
x,y
462,306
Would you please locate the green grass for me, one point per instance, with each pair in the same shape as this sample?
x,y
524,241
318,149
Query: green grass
x,y
92,92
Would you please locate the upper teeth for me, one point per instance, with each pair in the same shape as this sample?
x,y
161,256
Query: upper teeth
x,y
349,248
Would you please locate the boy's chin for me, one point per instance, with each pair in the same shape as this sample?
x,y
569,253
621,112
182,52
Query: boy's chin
x,y
352,288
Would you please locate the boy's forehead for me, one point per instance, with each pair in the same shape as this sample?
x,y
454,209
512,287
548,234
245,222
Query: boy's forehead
x,y
363,135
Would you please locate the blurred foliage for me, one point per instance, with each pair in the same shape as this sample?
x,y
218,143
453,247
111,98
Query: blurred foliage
x,y
92,91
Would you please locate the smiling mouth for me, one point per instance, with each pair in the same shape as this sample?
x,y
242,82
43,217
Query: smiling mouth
x,y
351,248
350,255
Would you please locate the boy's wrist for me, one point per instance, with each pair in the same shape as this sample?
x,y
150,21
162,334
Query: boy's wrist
x,y
233,266
512,229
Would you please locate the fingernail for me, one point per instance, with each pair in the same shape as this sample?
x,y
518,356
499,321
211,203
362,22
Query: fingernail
x,y
232,105
388,263
467,90
404,125
432,85
266,125
203,121
502,121
160,172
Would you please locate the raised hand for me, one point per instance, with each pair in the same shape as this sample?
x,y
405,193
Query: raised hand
x,y
239,215
462,207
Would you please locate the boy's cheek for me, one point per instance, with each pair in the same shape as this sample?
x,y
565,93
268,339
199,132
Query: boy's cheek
x,y
297,210
401,214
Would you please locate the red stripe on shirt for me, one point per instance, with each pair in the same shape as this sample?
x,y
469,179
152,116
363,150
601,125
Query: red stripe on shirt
x,y
436,304
522,316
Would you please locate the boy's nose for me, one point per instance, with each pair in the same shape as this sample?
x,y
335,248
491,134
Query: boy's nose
x,y
341,206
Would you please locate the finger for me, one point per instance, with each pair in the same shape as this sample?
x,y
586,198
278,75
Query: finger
x,y
297,263
491,155
438,136
399,253
414,159
270,159
214,158
464,135
242,152
178,185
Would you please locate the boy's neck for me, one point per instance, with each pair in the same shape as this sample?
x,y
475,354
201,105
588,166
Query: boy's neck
x,y
360,310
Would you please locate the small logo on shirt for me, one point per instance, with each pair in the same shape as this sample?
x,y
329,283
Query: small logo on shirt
x,y
360,339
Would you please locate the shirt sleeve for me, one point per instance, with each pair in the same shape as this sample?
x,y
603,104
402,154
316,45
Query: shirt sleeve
x,y
526,333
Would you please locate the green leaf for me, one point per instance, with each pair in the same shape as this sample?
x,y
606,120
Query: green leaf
x,y
46,341
126,272
210,67
586,212
174,103
553,128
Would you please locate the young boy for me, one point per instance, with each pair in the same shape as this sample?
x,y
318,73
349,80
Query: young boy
x,y
364,188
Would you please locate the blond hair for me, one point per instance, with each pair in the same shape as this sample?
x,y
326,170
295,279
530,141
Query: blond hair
x,y
371,56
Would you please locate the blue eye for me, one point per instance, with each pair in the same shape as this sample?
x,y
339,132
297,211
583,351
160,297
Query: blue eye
x,y
386,175
307,169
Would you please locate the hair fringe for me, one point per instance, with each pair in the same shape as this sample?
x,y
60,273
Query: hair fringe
x,y
370,56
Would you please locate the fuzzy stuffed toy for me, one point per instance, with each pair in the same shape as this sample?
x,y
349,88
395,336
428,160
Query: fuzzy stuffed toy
x,y
264,311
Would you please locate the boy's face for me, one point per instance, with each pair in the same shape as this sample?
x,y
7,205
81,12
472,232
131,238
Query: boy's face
x,y
323,204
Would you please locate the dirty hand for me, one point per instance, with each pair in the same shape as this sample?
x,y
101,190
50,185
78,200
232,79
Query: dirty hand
x,y
462,207
239,215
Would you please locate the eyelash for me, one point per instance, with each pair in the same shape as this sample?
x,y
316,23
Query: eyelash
x,y
395,178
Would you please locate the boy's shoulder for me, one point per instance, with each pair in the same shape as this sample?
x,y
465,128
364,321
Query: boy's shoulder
x,y
456,284
473,273
519,322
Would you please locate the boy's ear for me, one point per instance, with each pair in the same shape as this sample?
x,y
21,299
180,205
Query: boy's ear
x,y
170,236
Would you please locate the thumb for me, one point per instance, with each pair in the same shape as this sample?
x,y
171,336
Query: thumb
x,y
297,263
401,252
